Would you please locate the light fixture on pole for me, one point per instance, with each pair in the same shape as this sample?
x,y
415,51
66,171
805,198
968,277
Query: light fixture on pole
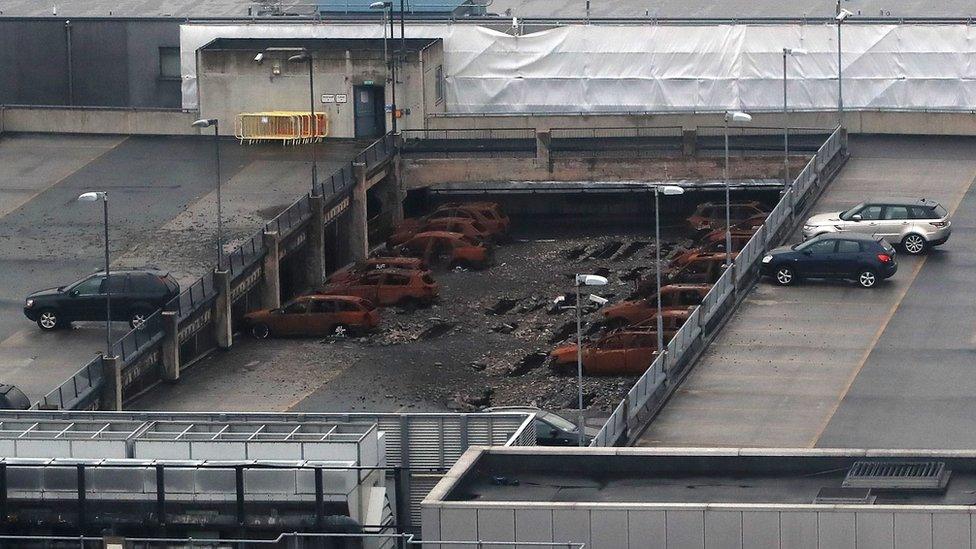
x,y
842,15
786,118
735,117
667,190
213,123
306,57
387,8
95,196
582,280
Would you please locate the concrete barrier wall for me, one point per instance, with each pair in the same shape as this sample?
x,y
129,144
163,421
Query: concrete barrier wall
x,y
918,123
96,121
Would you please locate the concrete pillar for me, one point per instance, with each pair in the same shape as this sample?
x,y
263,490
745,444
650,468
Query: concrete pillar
x,y
171,346
543,144
358,228
111,398
223,330
399,188
271,281
315,247
843,140
689,142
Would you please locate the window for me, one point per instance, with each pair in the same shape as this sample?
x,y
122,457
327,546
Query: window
x,y
323,306
441,85
91,286
296,308
169,63
397,280
821,247
848,247
372,279
896,212
870,213
116,283
923,212
144,284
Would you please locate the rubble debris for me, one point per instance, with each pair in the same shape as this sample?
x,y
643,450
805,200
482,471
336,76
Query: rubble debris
x,y
531,361
629,250
563,332
606,250
506,328
502,306
438,329
471,401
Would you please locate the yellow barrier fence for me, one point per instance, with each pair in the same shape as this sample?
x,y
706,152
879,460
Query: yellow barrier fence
x,y
291,128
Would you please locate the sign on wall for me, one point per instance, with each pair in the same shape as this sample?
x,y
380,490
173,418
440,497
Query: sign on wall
x,y
328,98
340,98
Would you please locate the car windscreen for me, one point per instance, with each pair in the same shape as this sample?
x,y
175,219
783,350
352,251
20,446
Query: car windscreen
x,y
938,209
846,215
557,421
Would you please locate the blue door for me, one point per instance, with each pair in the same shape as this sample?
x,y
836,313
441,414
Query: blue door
x,y
369,111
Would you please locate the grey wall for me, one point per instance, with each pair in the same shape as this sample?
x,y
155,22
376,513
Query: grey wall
x,y
114,62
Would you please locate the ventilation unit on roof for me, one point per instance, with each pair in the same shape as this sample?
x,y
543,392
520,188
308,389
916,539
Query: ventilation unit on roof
x,y
898,475
834,496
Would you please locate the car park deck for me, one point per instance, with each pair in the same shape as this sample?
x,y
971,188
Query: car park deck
x,y
162,211
832,365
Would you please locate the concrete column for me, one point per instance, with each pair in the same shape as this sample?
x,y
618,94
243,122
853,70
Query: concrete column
x,y
399,187
543,143
223,330
171,346
689,142
358,228
112,392
843,140
315,247
271,281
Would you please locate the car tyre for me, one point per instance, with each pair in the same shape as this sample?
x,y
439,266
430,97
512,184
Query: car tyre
x,y
784,275
137,320
260,331
867,278
48,320
914,244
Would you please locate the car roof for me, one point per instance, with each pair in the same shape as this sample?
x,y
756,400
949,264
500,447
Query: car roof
x,y
396,270
439,234
686,287
318,297
903,202
154,272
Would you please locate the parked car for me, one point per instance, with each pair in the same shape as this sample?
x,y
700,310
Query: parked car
x,y
488,214
439,248
551,429
626,352
314,315
673,296
12,398
711,215
914,224
863,258
468,227
135,294
360,268
389,287
711,243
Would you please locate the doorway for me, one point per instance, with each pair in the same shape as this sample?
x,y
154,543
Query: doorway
x,y
370,110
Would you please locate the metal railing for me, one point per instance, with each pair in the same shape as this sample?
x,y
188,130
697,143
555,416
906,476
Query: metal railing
x,y
203,291
665,371
470,142
610,132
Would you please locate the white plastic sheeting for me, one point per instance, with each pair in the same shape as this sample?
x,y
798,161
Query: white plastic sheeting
x,y
603,68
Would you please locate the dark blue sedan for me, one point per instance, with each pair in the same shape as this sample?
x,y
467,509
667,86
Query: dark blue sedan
x,y
861,258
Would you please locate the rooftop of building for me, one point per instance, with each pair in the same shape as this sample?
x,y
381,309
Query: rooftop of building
x,y
321,44
692,476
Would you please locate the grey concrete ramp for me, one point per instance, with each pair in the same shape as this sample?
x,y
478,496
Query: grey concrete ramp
x,y
787,361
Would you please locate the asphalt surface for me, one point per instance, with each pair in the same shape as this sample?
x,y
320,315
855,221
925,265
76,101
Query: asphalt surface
x,y
161,197
828,364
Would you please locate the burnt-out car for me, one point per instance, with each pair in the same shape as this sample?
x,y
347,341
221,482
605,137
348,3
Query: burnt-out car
x,y
626,352
673,296
314,315
443,249
711,215
489,214
360,268
389,287
468,227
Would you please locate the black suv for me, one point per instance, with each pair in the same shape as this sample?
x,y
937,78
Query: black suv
x,y
135,294
862,258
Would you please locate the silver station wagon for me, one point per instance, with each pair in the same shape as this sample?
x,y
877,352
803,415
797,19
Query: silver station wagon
x,y
914,224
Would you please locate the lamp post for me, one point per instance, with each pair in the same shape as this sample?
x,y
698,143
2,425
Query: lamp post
x,y
387,8
582,280
786,118
95,196
667,190
207,123
305,57
842,15
741,118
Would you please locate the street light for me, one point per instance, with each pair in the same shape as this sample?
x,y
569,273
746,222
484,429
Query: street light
x,y
667,190
95,196
786,118
387,8
735,117
842,15
305,57
207,123
582,280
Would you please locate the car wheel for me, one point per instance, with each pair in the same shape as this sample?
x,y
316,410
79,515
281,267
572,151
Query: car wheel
x,y
785,275
867,278
260,331
913,244
48,320
137,320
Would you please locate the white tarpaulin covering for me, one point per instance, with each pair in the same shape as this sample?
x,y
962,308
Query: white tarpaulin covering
x,y
602,68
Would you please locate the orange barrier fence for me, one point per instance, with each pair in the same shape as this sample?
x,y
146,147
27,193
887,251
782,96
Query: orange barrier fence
x,y
291,128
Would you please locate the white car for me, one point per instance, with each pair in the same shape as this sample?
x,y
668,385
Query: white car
x,y
914,224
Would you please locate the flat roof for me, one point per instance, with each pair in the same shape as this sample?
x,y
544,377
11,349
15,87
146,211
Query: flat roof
x,y
315,44
686,475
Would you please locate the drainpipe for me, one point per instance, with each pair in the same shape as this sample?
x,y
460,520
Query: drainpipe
x,y
67,44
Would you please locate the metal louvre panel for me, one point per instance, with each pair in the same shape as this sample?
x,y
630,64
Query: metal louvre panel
x,y
390,425
425,443
420,485
454,444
